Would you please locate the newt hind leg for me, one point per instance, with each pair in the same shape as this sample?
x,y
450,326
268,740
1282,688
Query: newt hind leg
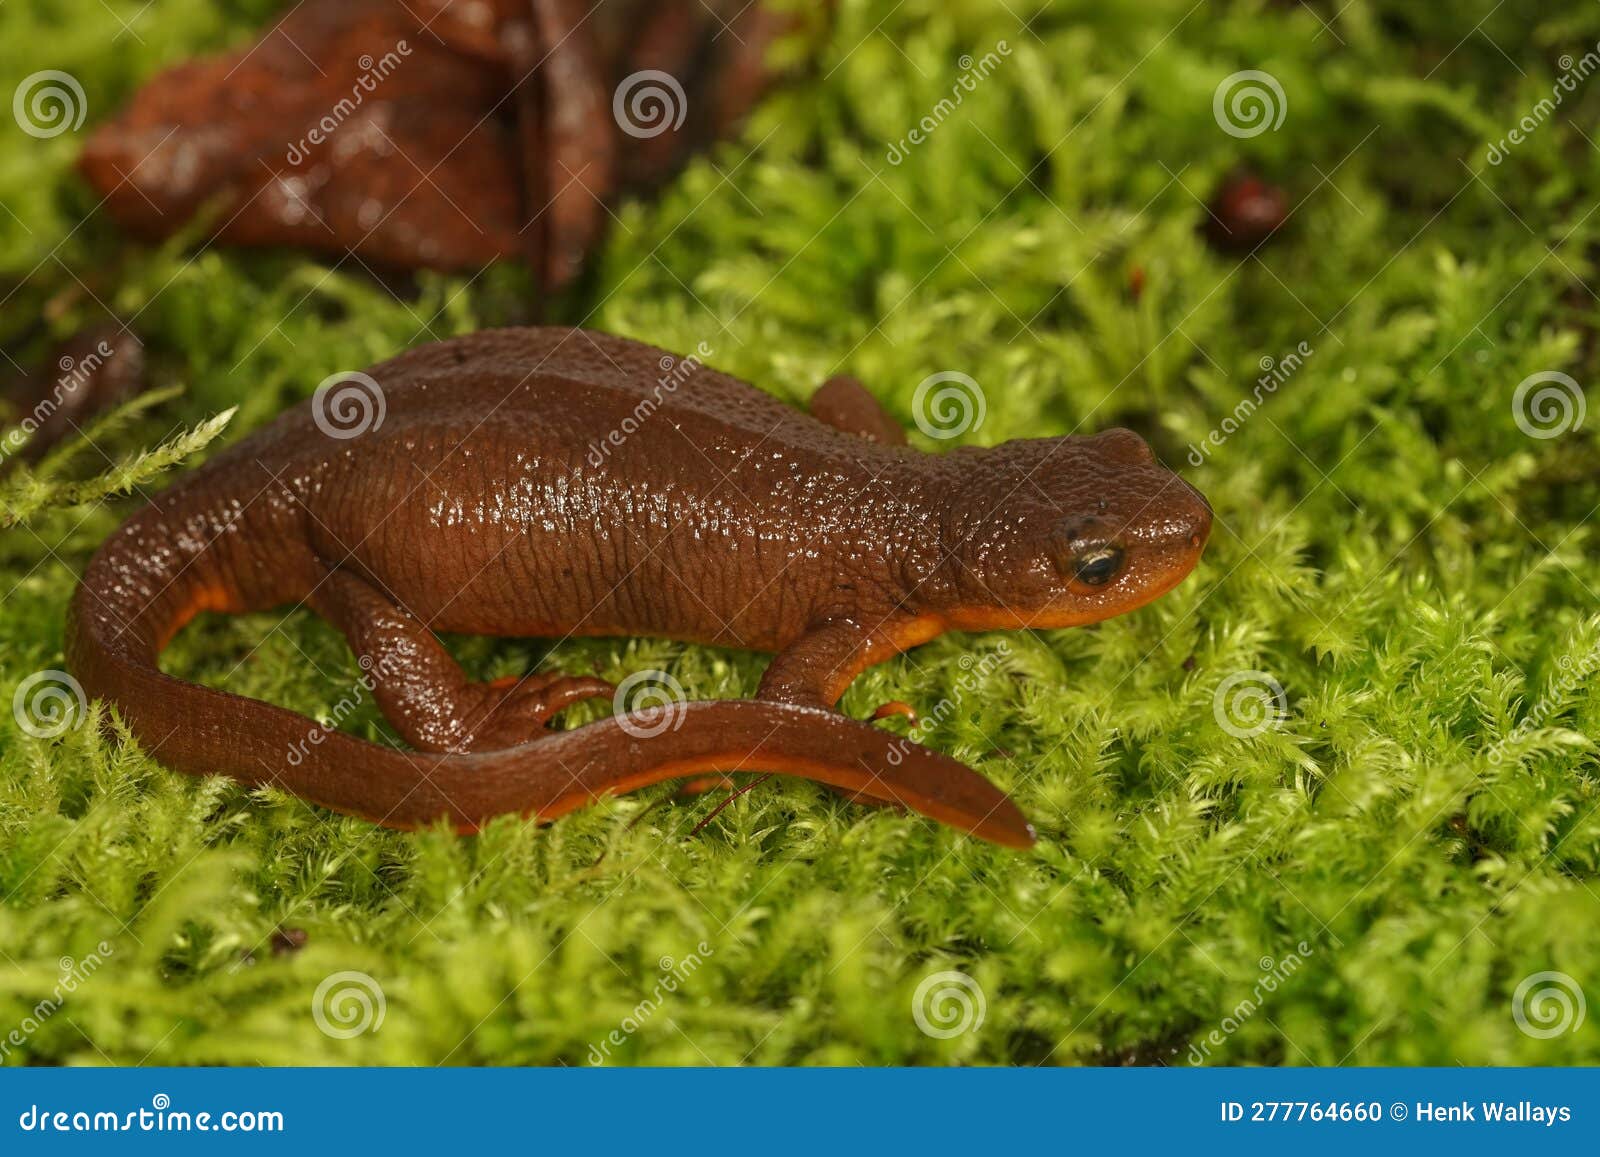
x,y
424,693
845,404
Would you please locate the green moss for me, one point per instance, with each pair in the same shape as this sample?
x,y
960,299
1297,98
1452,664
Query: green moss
x,y
1415,571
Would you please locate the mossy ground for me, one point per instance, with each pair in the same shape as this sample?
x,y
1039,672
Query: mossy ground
x,y
1417,573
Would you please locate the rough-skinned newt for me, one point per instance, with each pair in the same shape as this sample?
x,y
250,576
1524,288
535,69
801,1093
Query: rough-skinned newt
x,y
557,482
442,134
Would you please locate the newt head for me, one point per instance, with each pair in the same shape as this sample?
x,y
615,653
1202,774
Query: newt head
x,y
1060,532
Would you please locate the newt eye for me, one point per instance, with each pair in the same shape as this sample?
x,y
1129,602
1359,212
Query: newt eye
x,y
1098,565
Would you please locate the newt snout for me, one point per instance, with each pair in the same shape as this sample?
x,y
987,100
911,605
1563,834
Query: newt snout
x,y
1060,532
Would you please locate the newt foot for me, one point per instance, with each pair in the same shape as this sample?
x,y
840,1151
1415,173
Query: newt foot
x,y
896,707
517,708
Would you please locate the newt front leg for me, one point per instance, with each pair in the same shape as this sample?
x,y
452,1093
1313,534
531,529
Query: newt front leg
x,y
817,669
